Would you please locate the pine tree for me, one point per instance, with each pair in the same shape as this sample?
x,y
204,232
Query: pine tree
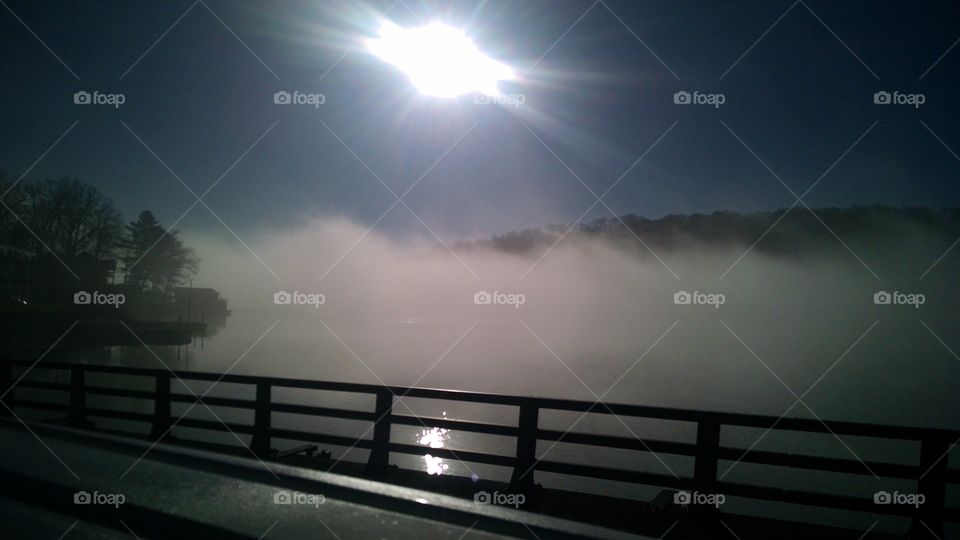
x,y
154,258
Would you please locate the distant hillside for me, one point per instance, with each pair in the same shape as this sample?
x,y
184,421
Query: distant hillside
x,y
797,232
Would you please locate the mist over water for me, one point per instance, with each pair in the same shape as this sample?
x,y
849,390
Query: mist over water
x,y
598,320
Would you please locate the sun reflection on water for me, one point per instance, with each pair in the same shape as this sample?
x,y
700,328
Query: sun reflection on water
x,y
434,438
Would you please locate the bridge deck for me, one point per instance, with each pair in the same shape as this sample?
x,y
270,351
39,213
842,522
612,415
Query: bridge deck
x,y
172,492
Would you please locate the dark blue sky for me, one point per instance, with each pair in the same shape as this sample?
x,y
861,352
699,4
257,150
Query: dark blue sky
x,y
599,99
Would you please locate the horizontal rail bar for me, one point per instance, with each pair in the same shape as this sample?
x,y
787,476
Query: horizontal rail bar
x,y
346,414
456,425
119,415
953,476
39,405
306,436
43,385
120,392
456,455
613,441
818,463
809,498
661,413
213,425
213,400
611,473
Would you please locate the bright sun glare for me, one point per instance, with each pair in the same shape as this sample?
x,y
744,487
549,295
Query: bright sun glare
x,y
440,60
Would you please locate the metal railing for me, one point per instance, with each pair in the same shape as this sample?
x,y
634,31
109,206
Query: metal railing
x,y
931,473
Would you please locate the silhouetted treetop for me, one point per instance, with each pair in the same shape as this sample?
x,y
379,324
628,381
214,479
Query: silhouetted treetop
x,y
795,231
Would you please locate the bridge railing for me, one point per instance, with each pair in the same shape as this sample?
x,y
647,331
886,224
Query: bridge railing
x,y
931,472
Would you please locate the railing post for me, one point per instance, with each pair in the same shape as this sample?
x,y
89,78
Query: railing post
x,y
260,442
527,427
932,484
161,406
380,453
6,388
705,464
78,397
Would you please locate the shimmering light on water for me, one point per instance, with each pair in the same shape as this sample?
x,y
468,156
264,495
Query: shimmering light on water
x,y
434,438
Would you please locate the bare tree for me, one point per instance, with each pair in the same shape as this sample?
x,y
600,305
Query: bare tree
x,y
72,218
12,196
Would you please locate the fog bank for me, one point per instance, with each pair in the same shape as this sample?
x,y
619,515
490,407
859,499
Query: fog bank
x,y
599,320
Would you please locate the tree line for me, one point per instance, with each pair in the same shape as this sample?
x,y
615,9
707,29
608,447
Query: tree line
x,y
70,227
786,231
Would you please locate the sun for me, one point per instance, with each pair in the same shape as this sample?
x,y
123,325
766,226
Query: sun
x,y
440,60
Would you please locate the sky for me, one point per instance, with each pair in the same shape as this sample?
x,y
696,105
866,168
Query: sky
x,y
597,80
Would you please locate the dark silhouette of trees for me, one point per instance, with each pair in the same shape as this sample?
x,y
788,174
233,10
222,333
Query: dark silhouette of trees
x,y
154,258
64,215
12,232
73,235
65,233
782,232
